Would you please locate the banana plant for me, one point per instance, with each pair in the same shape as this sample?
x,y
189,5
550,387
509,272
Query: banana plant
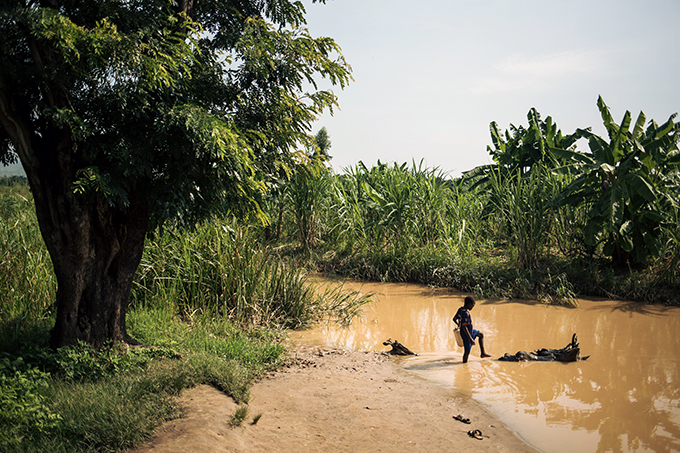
x,y
519,148
630,181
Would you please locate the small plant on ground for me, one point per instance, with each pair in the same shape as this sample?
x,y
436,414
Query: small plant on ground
x,y
239,415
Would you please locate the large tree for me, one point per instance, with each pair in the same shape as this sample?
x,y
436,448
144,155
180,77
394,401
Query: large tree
x,y
129,114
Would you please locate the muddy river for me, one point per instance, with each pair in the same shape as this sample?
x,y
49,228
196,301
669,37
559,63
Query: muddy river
x,y
625,397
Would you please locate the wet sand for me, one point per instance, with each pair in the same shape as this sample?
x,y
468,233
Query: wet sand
x,y
332,399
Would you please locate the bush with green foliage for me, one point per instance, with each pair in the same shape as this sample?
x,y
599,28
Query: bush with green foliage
x,y
631,185
23,410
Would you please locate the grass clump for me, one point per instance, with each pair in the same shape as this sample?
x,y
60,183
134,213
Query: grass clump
x,y
239,415
222,269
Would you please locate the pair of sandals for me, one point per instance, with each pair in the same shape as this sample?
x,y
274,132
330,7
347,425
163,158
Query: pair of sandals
x,y
475,433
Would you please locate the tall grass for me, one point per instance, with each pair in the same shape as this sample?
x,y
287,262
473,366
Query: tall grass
x,y
522,203
306,194
27,281
388,207
222,270
505,238
465,233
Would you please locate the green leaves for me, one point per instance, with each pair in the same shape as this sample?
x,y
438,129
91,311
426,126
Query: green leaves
x,y
90,180
630,182
22,403
519,148
186,106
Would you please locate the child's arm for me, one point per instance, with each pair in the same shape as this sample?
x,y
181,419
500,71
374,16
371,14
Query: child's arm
x,y
469,335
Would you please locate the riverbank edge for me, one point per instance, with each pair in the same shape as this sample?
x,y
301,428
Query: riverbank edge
x,y
555,281
329,398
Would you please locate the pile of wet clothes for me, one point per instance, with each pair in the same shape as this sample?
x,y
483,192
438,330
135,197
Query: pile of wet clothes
x,y
569,353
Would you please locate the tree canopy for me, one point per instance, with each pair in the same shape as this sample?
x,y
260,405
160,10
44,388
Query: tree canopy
x,y
126,115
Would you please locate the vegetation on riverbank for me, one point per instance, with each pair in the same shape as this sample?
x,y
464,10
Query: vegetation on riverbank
x,y
81,399
209,305
544,221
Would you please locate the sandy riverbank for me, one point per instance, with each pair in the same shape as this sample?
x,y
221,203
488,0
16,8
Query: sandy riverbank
x,y
334,400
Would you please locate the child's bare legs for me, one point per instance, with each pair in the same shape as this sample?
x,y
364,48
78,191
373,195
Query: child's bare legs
x,y
468,345
481,347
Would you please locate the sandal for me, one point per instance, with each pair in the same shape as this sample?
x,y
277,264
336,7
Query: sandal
x,y
461,418
477,434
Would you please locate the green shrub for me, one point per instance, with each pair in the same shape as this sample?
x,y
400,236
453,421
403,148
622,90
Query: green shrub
x,y
23,410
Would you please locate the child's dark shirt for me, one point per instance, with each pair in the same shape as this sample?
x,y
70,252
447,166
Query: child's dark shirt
x,y
465,319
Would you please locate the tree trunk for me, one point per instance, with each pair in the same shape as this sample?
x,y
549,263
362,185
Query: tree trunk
x,y
95,256
95,248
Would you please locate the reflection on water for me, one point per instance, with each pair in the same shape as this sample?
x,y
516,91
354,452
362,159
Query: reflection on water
x,y
626,397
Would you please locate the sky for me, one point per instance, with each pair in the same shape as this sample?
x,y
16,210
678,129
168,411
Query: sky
x,y
431,75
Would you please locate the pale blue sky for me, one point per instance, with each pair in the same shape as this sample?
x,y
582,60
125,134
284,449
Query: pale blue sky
x,y
431,75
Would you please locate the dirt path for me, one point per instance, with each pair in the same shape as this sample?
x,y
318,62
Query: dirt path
x,y
334,400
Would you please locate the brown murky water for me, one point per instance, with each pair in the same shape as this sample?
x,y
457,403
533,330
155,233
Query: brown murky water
x,y
626,397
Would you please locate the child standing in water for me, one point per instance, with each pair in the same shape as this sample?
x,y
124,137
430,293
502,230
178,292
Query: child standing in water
x,y
464,321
